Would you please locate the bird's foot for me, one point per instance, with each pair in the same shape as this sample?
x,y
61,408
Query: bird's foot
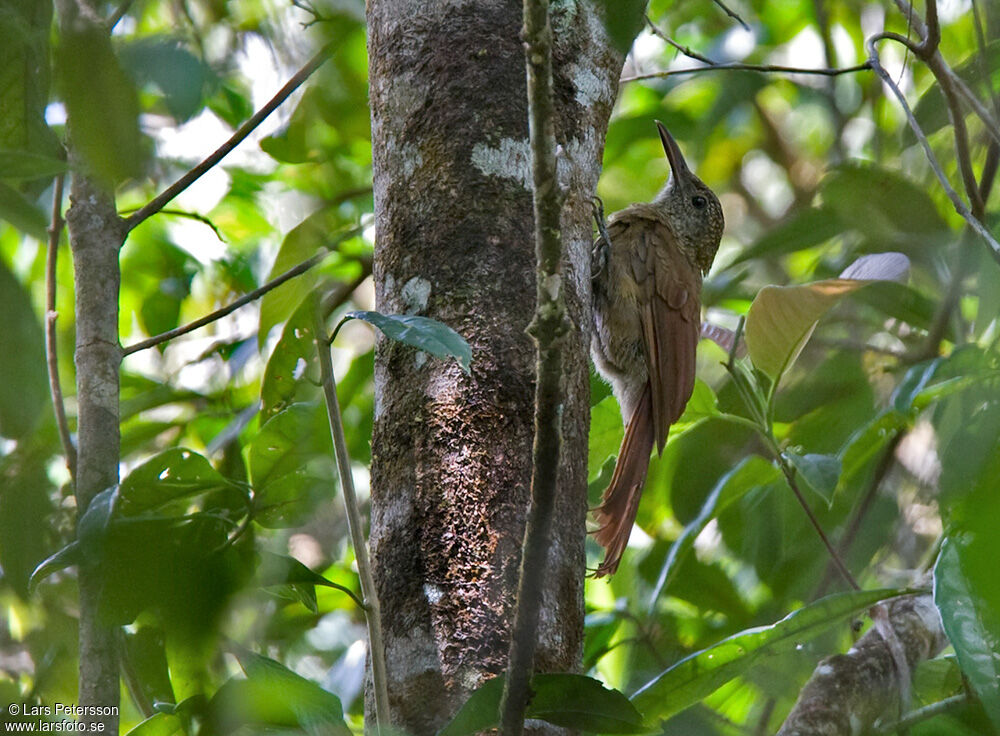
x,y
602,246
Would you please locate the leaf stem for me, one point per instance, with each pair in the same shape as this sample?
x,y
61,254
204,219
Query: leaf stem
x,y
373,614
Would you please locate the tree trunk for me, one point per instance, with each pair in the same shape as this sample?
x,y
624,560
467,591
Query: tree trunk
x,y
452,453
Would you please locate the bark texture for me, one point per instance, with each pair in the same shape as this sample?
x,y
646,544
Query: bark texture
x,y
452,453
96,235
847,693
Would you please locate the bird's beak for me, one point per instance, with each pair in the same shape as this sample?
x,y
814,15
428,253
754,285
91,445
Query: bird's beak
x,y
678,167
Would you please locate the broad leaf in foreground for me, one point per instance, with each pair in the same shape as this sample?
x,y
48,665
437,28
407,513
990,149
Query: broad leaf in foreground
x,y
424,333
700,674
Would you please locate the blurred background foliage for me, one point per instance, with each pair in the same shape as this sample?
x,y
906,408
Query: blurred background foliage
x,y
227,560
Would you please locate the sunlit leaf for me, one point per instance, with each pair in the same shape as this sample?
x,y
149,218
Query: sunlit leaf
x,y
423,333
700,674
292,362
567,700
782,318
158,724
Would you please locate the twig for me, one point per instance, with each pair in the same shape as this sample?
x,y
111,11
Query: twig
x,y
770,68
241,302
922,714
960,207
789,474
548,329
373,613
51,315
119,13
161,200
686,50
190,216
731,14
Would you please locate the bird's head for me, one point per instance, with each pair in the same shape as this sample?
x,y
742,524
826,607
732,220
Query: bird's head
x,y
691,207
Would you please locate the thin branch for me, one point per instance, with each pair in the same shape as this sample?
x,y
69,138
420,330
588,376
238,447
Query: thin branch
x,y
731,14
768,68
922,714
789,473
548,328
188,215
373,614
960,207
51,315
119,13
161,200
241,302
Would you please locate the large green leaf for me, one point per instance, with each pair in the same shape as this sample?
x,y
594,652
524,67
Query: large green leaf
x,y
274,697
28,165
291,465
820,472
967,593
101,103
567,700
424,333
159,724
782,318
292,364
171,480
24,389
174,70
700,674
803,229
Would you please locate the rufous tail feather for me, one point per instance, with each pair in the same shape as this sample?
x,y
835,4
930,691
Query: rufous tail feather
x,y
620,501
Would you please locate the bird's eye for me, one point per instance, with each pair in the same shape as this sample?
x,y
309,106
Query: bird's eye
x,y
699,202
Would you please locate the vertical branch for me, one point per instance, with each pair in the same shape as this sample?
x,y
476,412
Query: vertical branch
x,y
51,346
355,523
96,234
548,328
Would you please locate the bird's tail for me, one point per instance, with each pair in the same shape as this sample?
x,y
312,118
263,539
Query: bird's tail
x,y
620,501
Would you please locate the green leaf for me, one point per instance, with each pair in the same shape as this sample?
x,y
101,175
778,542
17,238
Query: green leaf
x,y
782,318
883,205
159,724
273,696
803,229
701,673
567,700
301,243
176,474
622,20
820,472
65,557
867,441
606,430
96,520
16,209
24,392
28,165
424,333
165,63
291,465
293,358
102,106
284,571
967,594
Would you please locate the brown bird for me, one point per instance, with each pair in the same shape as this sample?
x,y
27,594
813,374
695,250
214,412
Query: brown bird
x,y
647,270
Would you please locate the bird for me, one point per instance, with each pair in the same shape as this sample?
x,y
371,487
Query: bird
x,y
647,267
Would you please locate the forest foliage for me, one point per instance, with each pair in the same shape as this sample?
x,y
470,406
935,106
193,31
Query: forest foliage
x,y
225,551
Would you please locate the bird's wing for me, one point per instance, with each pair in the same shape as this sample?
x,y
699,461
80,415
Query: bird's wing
x,y
669,314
